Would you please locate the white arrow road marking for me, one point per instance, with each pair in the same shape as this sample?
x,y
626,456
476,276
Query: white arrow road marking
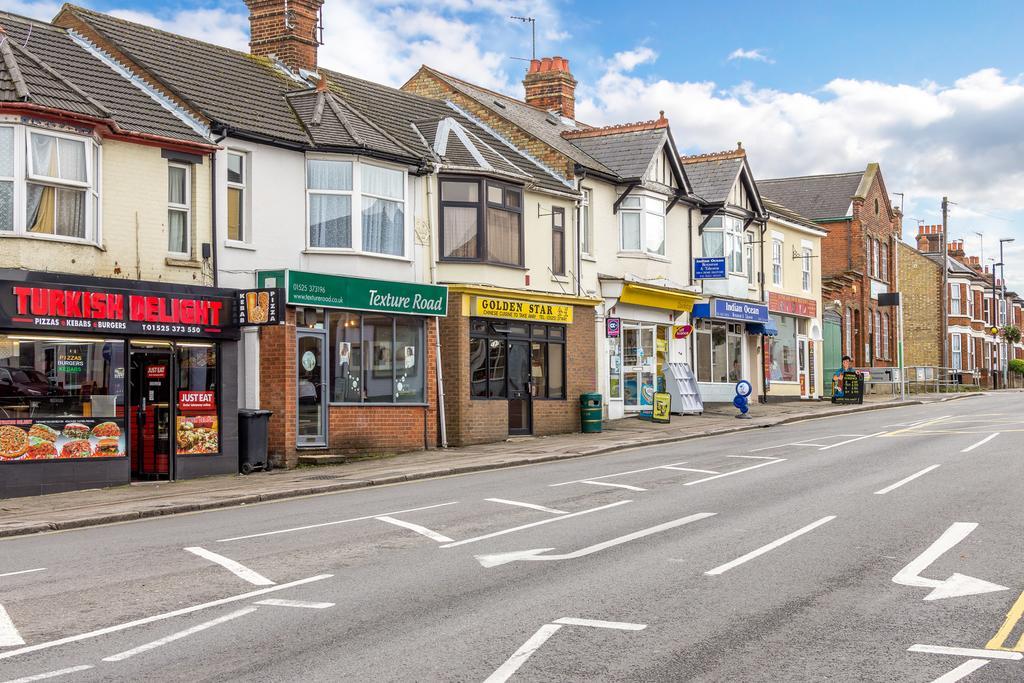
x,y
239,570
50,674
771,546
274,602
980,443
615,486
161,617
535,554
121,656
962,671
519,657
774,461
533,524
23,571
964,652
901,482
532,506
8,633
429,533
956,585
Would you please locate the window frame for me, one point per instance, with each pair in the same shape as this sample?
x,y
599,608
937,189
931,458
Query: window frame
x,y
586,223
244,235
778,273
955,304
531,336
185,208
481,205
806,274
556,213
366,359
884,260
646,202
955,351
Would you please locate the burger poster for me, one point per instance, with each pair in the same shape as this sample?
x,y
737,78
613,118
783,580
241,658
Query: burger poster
x,y
197,430
61,439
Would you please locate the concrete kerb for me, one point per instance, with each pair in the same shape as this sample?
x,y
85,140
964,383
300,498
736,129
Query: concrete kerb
x,y
173,509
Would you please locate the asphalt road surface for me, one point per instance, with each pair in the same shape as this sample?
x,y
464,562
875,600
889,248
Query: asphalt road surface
x,y
884,546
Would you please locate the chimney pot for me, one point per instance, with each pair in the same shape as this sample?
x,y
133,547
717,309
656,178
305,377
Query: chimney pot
x,y
550,86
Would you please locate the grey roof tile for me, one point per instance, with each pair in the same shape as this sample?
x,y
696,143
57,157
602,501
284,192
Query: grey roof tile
x,y
817,196
790,215
713,179
627,154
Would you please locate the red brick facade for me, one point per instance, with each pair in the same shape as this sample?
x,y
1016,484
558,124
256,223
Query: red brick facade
x,y
550,86
471,421
350,428
286,30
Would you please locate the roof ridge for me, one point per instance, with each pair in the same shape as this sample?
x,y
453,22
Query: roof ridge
x,y
483,89
817,175
9,61
738,153
339,100
615,129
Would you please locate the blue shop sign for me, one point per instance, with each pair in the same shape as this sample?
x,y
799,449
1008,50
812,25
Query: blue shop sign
x,y
710,268
726,309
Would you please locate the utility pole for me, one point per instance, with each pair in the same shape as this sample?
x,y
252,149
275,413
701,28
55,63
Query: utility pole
x,y
1005,356
945,284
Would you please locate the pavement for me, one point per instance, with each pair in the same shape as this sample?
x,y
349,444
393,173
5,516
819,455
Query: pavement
x,y
875,546
142,500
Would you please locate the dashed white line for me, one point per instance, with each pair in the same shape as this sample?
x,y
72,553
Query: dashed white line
x,y
533,524
980,443
962,671
619,474
859,438
758,457
729,474
721,569
323,524
275,602
532,506
160,617
8,632
429,533
23,571
901,482
121,656
965,652
597,623
615,486
50,674
239,570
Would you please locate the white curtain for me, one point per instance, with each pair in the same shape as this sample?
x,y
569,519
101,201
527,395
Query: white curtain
x,y
382,182
323,174
71,213
460,231
176,176
72,159
44,155
714,243
383,226
177,232
503,232
655,233
330,220
630,229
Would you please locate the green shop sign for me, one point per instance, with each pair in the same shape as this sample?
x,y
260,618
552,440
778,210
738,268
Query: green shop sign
x,y
356,293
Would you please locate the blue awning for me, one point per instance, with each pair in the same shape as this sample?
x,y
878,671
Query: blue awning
x,y
768,329
701,311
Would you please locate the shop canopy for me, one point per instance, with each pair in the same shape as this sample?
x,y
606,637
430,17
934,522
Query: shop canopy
x,y
768,329
657,297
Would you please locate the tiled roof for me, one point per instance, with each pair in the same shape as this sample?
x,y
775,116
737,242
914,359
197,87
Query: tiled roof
x,y
788,214
713,179
544,126
628,154
817,196
132,109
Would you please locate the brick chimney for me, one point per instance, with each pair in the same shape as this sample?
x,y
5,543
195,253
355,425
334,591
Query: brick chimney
x,y
956,249
286,29
550,86
929,239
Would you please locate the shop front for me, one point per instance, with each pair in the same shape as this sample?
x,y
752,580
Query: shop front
x,y
641,335
106,381
793,353
725,347
352,368
515,362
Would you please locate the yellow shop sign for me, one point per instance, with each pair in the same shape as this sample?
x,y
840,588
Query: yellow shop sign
x,y
522,310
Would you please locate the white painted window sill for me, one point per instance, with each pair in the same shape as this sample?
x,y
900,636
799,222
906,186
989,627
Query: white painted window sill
x,y
235,244
645,256
353,252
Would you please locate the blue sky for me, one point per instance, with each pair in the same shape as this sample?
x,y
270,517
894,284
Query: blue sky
x,y
934,91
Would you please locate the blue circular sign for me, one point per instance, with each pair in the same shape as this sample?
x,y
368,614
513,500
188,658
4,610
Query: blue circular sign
x,y
743,388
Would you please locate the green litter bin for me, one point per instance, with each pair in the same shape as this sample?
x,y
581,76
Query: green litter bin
x,y
590,413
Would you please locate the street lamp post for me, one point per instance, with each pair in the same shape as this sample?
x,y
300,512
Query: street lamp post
x,y
1004,356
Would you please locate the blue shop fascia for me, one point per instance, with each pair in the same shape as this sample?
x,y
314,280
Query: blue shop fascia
x,y
728,343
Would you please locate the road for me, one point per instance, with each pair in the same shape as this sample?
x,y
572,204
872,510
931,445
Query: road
x,y
883,546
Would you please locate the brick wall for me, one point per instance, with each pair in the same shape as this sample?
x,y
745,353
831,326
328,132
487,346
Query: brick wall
x,y
920,283
480,421
350,428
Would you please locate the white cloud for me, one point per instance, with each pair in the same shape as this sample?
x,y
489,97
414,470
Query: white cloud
x,y
631,59
37,9
754,55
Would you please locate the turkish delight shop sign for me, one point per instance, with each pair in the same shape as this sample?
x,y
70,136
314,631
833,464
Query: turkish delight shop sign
x,y
356,293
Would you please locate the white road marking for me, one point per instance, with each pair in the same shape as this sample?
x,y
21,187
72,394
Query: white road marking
x,y
532,506
8,633
758,457
323,524
519,657
121,656
688,469
965,652
616,486
23,571
239,570
533,524
980,443
843,443
591,480
534,555
50,674
901,482
275,602
817,445
956,585
161,617
962,671
597,623
721,569
729,474
429,533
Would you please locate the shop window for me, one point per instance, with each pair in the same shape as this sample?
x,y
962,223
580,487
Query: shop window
x,y
376,358
719,349
61,398
475,230
558,241
615,367
238,178
783,350
488,355
197,429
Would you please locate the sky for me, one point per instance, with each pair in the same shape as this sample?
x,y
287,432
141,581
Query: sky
x,y
933,91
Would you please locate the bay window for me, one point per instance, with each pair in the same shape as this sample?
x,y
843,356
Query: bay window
x,y
238,176
724,238
338,189
179,210
481,221
48,184
642,224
